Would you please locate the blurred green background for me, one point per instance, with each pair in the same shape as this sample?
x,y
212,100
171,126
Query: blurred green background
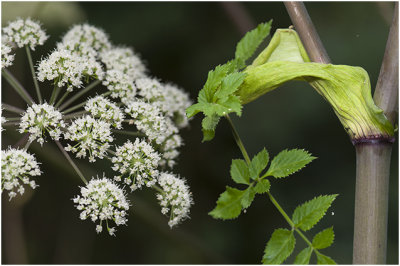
x,y
181,42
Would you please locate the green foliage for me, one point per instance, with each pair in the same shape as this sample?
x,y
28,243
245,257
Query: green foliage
x,y
262,186
249,43
240,172
279,247
248,197
323,239
308,214
228,204
322,259
304,256
288,162
258,163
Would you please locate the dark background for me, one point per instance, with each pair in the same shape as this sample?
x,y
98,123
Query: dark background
x,y
181,42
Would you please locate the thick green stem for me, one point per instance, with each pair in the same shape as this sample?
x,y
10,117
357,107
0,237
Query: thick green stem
x,y
62,98
35,81
79,94
54,95
373,165
71,162
17,86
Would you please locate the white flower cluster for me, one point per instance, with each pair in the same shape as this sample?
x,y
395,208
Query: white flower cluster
x,y
106,110
2,120
92,136
68,69
25,33
17,167
40,119
176,198
7,58
123,68
102,200
137,163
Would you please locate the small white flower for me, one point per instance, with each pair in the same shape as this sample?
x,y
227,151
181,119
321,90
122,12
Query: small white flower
x,y
25,32
120,84
85,40
68,69
92,136
17,166
2,120
40,119
176,198
149,119
125,61
136,162
106,110
102,200
169,150
6,57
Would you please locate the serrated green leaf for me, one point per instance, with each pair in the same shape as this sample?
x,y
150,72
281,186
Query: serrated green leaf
x,y
210,122
288,162
214,80
249,43
248,197
262,186
322,259
308,214
240,172
279,247
229,85
304,256
323,239
207,135
258,163
228,205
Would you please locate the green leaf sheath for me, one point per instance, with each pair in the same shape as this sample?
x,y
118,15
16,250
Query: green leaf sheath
x,y
279,247
304,256
228,205
322,259
346,88
288,162
308,214
240,172
250,42
258,163
323,239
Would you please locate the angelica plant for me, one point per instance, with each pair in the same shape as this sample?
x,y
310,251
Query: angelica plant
x,y
233,84
129,105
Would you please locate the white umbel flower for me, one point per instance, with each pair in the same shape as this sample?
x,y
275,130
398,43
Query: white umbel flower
x,y
124,60
25,32
176,198
7,58
120,84
17,167
68,69
40,119
136,162
2,119
85,39
106,110
93,136
149,119
102,200
169,150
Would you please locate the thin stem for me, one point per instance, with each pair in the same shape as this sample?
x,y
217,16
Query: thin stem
x,y
35,81
13,119
111,151
62,98
276,204
73,115
156,187
71,162
27,145
17,86
21,141
307,32
11,108
238,140
9,124
73,108
79,94
54,95
130,133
